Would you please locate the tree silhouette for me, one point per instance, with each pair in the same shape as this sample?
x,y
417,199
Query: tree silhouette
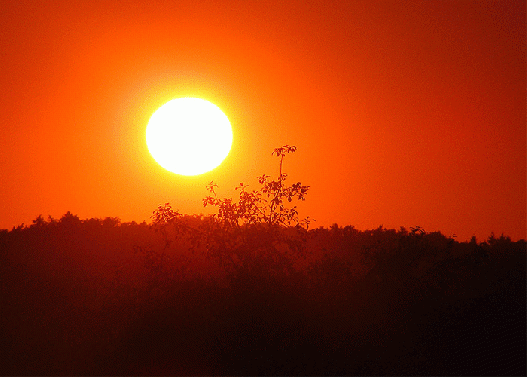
x,y
247,232
266,205
98,296
39,222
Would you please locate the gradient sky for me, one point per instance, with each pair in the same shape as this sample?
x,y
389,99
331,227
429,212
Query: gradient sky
x,y
404,113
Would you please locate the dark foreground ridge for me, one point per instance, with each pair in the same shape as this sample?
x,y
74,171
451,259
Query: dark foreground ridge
x,y
191,297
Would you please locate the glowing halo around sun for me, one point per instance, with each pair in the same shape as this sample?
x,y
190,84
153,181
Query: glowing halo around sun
x,y
189,136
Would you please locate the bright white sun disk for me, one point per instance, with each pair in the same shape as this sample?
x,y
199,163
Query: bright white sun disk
x,y
189,136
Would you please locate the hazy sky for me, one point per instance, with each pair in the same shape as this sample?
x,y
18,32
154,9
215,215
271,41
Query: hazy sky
x,y
404,113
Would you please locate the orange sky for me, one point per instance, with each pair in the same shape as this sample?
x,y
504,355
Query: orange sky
x,y
404,113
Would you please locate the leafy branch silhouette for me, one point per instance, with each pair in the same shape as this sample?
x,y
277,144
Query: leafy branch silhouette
x,y
266,205
246,232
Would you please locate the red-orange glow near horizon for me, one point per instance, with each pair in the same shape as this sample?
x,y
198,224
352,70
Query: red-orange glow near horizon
x,y
404,113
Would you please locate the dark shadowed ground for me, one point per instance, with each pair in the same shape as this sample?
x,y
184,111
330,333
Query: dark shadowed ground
x,y
94,297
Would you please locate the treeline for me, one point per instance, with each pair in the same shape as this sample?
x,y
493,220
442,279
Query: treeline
x,y
192,294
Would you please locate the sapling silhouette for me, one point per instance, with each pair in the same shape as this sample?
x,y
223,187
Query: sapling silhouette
x,y
246,231
266,205
253,226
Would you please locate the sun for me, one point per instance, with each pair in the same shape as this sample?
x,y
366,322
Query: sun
x,y
189,136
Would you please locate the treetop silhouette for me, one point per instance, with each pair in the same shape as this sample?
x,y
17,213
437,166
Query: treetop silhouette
x,y
266,205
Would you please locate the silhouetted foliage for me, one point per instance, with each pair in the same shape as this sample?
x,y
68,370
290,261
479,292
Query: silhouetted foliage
x,y
250,292
266,205
246,234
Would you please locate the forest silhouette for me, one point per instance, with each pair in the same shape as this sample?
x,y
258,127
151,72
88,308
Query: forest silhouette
x,y
255,290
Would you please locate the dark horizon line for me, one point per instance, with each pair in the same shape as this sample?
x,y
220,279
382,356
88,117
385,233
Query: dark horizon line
x,y
116,221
